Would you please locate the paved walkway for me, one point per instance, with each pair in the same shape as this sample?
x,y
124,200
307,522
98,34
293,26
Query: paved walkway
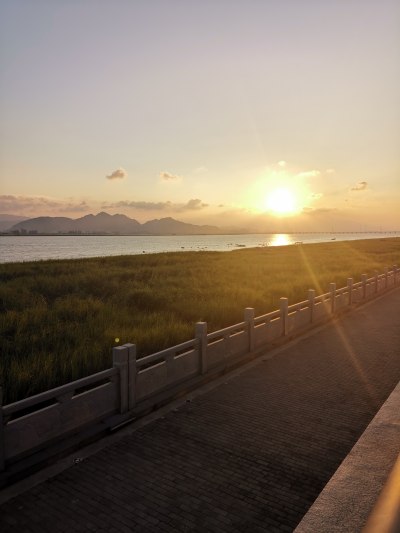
x,y
249,455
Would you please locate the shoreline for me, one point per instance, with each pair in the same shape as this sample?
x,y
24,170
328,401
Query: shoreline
x,y
50,248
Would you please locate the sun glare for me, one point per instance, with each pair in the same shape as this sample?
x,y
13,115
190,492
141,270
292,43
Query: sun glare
x,y
281,202
281,239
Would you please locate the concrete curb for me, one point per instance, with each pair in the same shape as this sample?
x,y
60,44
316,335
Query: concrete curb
x,y
349,497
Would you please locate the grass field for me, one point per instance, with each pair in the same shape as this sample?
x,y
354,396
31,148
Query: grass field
x,y
60,319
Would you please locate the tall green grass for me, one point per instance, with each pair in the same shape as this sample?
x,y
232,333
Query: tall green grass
x,y
60,319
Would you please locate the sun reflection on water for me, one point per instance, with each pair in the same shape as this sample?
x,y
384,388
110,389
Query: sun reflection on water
x,y
281,239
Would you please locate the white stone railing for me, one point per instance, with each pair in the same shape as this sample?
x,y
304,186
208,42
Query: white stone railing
x,y
33,429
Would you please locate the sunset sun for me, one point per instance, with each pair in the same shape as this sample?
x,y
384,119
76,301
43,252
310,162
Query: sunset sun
x,y
281,202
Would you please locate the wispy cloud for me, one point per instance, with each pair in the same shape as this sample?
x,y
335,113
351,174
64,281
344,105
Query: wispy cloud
x,y
138,204
38,204
79,207
330,171
200,170
316,195
195,204
308,174
282,164
318,211
166,176
360,186
118,174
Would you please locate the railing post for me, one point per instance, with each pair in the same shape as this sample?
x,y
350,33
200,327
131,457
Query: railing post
x,y
131,375
2,450
350,289
284,304
249,315
311,298
332,290
364,278
386,271
376,274
120,361
201,335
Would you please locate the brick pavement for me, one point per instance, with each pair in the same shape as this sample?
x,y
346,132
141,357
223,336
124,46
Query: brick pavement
x,y
249,455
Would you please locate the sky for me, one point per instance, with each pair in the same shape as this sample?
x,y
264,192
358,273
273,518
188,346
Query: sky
x,y
264,114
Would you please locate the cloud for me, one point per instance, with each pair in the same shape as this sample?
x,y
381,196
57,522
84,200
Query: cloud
x,y
145,206
32,204
361,186
80,207
318,211
192,205
195,204
200,170
308,174
118,174
166,176
282,164
316,195
330,171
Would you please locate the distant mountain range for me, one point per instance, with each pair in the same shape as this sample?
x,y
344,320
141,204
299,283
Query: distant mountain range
x,y
6,221
103,223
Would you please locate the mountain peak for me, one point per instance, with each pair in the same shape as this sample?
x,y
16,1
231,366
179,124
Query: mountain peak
x,y
104,223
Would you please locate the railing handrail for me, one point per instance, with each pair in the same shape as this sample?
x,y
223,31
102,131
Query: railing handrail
x,y
51,394
299,306
226,331
163,354
271,315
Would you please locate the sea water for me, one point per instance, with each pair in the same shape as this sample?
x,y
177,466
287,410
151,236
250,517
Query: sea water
x,y
38,247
